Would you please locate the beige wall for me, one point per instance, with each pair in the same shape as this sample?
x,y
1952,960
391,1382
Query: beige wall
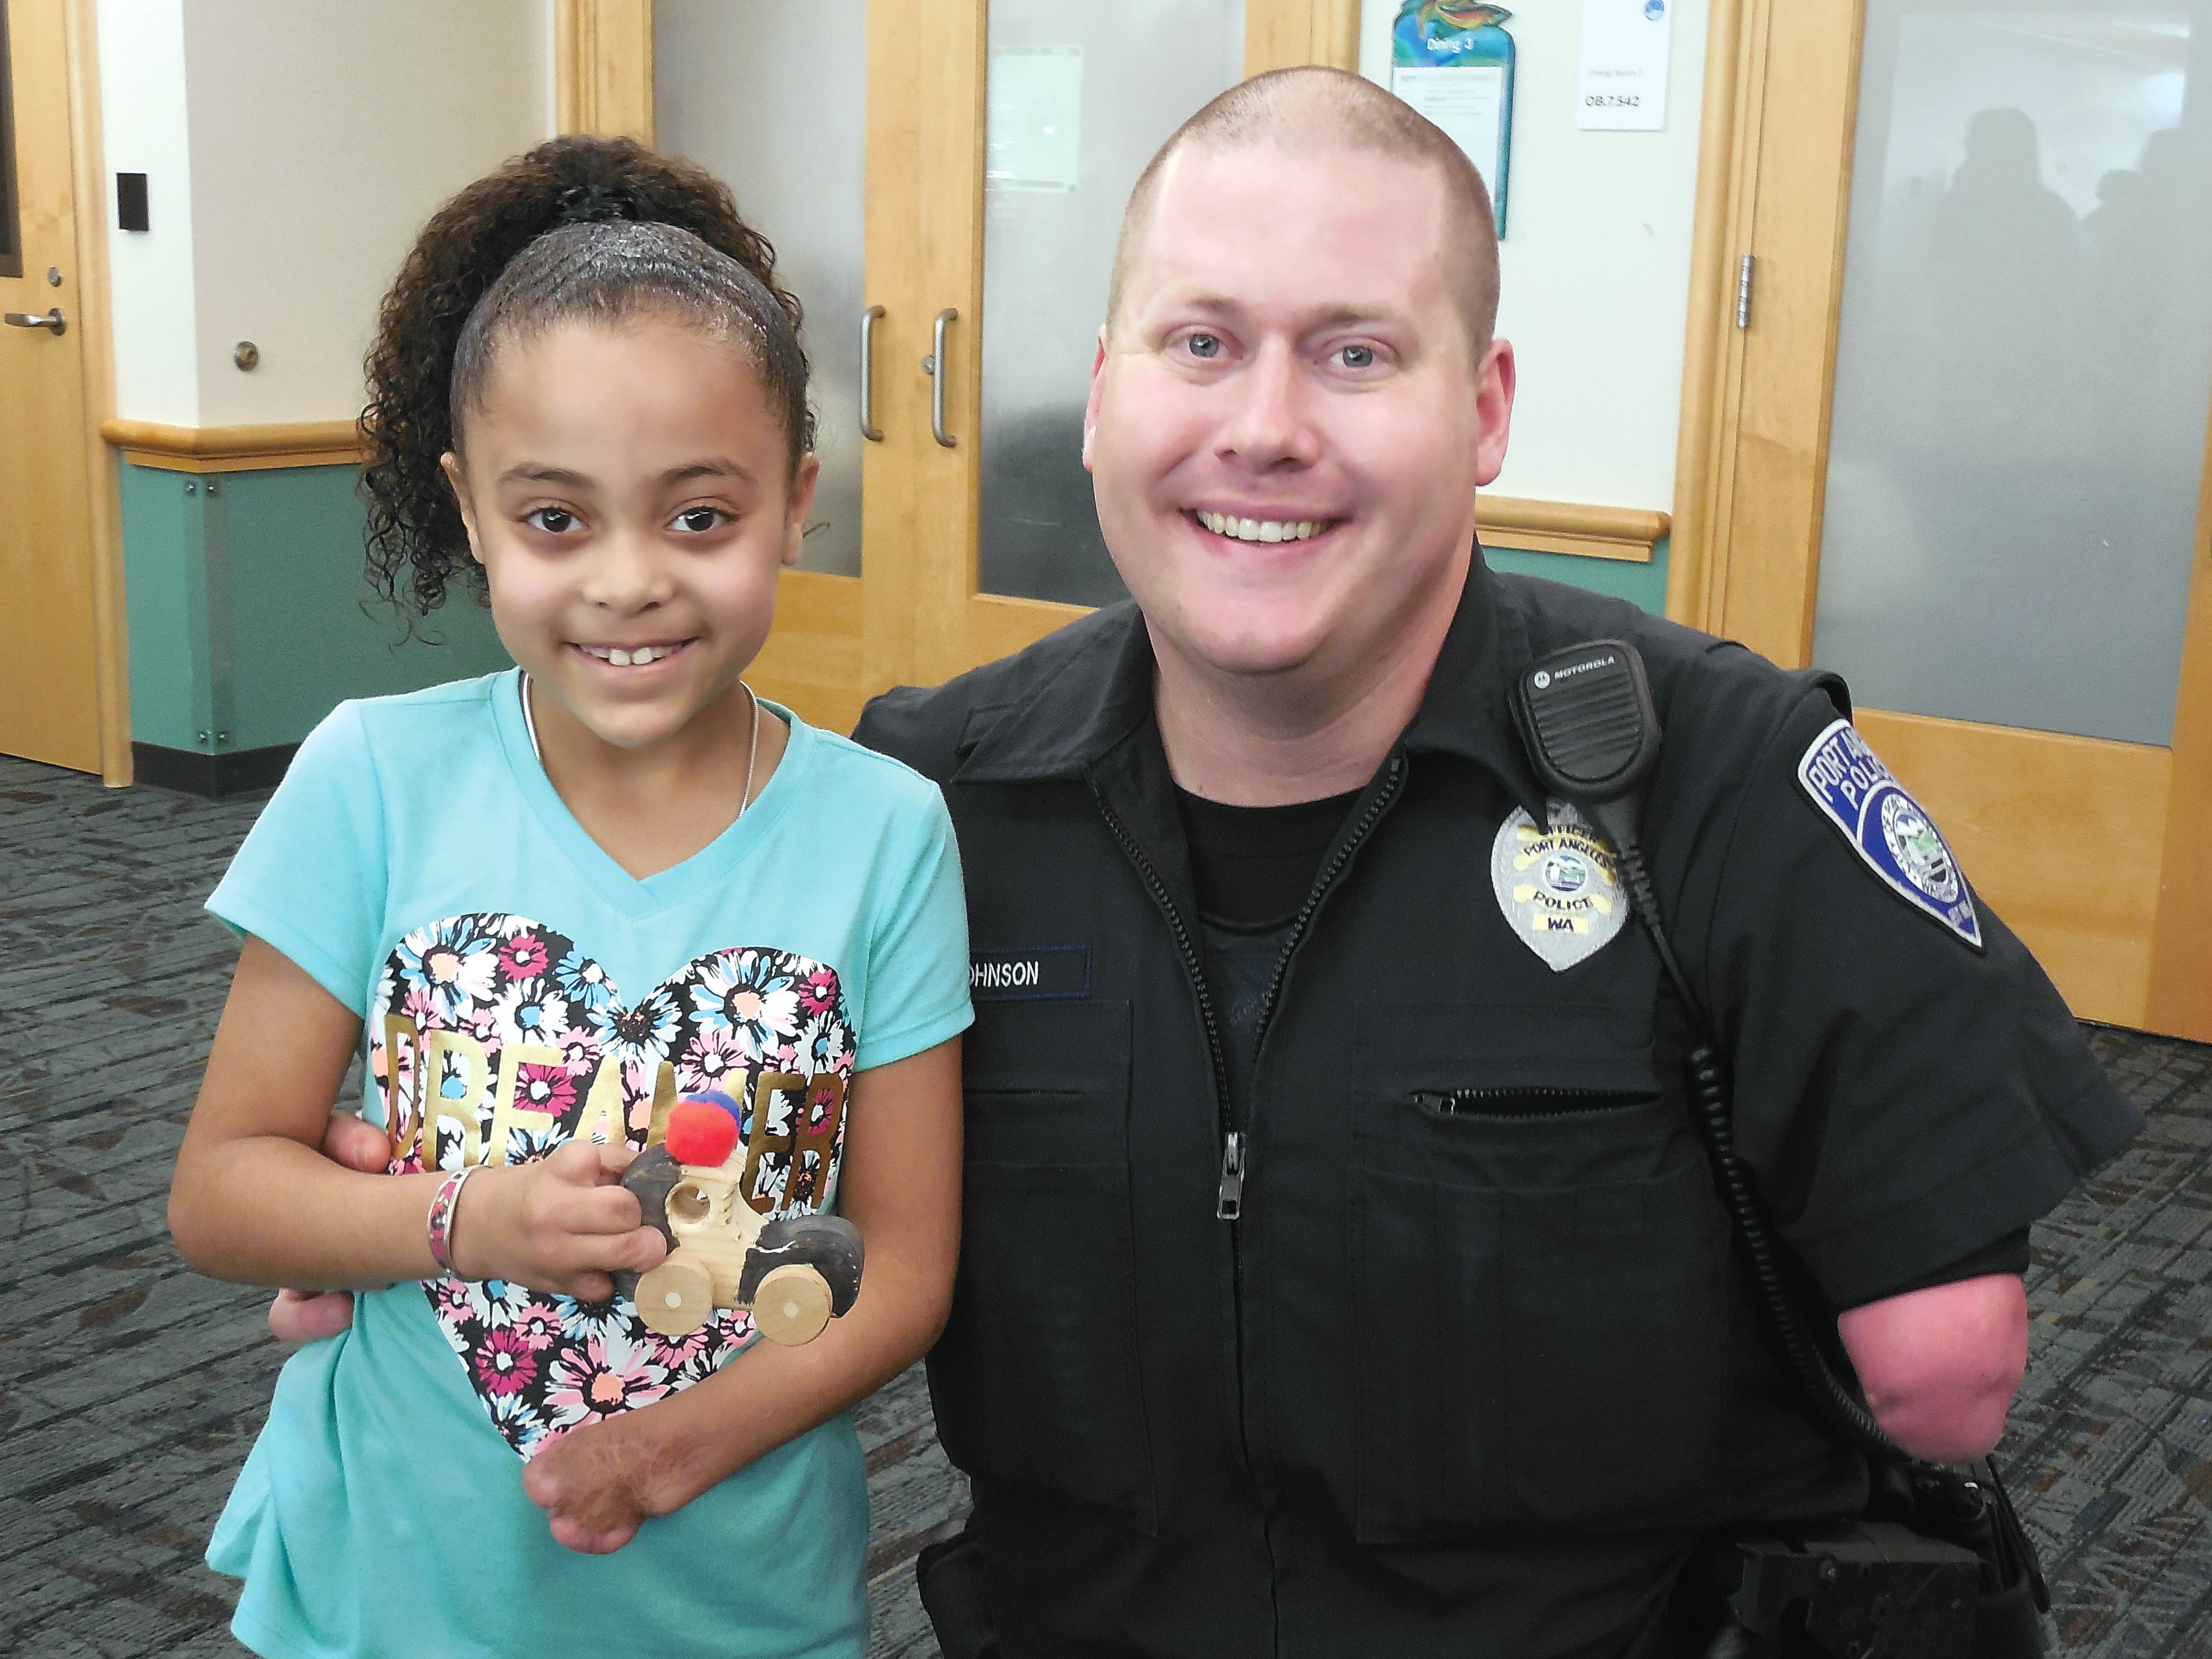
x,y
294,148
1594,267
142,105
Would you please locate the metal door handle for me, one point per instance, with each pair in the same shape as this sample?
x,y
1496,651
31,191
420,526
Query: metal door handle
x,y
869,429
933,366
53,319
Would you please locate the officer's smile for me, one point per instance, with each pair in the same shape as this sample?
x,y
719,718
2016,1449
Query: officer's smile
x,y
1245,528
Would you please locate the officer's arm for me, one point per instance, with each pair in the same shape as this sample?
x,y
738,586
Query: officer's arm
x,y
1940,1366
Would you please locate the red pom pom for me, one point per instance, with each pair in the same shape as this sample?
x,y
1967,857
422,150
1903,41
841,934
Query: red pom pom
x,y
700,1132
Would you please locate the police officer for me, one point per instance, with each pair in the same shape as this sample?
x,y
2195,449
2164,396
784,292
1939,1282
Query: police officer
x,y
1342,1273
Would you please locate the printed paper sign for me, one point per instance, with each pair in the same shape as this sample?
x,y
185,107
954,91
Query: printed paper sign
x,y
1467,102
1623,85
1033,137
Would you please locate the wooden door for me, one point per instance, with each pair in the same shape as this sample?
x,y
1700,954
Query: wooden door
x,y
919,609
2070,765
1006,548
51,644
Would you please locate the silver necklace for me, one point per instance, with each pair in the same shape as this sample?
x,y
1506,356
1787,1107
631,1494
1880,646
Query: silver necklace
x,y
752,741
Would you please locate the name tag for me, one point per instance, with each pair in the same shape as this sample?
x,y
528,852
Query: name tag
x,y
1050,971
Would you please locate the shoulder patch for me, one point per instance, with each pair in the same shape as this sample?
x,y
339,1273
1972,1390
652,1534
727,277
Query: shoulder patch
x,y
1556,885
1843,777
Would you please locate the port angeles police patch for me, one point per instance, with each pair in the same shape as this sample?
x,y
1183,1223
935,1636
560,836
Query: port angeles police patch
x,y
1900,843
1558,886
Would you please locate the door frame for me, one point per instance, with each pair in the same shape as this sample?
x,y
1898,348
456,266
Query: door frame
x,y
921,616
956,624
1749,490
92,317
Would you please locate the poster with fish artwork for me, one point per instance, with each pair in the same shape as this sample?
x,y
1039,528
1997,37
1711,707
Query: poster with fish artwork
x,y
1453,61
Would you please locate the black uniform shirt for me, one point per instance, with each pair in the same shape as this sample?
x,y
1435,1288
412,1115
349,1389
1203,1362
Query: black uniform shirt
x,y
1251,869
1458,1381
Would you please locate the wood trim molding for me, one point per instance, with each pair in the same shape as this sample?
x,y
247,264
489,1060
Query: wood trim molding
x,y
1281,33
811,661
1336,33
951,59
95,322
2180,1000
234,448
603,68
1708,346
1764,470
1629,533
1002,624
891,590
2018,807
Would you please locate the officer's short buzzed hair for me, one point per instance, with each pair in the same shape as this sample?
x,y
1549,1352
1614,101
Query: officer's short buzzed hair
x,y
1322,108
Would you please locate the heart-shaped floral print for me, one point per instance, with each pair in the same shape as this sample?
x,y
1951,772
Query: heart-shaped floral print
x,y
525,1044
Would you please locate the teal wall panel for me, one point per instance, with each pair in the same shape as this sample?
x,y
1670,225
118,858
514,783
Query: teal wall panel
x,y
165,607
307,632
1644,585
250,614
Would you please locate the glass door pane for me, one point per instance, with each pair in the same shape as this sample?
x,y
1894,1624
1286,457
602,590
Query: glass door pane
x,y
2025,364
771,96
1079,97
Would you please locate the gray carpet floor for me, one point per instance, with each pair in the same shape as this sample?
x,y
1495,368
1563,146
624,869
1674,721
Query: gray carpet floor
x,y
131,1389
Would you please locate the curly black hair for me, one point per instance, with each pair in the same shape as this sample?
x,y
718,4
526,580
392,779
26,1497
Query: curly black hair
x,y
417,545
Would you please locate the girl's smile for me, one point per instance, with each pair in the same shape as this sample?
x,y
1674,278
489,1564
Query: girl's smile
x,y
635,656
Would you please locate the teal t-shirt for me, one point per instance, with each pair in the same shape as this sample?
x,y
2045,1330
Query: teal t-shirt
x,y
521,986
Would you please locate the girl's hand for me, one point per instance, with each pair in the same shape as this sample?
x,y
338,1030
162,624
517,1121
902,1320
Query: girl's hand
x,y
562,1224
597,1484
255,1198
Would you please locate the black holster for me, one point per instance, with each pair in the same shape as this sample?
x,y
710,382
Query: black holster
x,y
1932,1570
949,1575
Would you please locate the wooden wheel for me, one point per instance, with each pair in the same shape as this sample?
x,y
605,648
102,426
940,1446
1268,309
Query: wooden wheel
x,y
676,1298
792,1305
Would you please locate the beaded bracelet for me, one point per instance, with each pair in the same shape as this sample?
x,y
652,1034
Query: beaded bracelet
x,y
441,1216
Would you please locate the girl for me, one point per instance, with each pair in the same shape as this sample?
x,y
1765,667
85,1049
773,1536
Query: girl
x,y
557,896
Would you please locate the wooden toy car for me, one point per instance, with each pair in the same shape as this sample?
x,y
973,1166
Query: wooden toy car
x,y
794,1274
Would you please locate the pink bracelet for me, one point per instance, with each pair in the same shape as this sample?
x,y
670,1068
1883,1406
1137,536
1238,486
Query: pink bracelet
x,y
441,1216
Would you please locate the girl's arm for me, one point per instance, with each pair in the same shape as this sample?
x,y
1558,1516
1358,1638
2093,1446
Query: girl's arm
x,y
253,1198
901,1185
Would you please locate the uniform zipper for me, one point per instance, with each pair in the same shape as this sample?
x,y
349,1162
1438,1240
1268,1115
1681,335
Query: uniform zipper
x,y
1229,1196
1541,1101
1229,1199
1394,781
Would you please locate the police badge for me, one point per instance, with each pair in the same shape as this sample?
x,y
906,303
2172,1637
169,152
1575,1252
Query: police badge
x,y
1557,886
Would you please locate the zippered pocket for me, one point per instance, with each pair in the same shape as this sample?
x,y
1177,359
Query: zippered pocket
x,y
1547,1298
1527,1102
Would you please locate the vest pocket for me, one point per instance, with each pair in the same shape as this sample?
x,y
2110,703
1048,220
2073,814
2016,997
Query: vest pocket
x,y
1035,1380
1543,1283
